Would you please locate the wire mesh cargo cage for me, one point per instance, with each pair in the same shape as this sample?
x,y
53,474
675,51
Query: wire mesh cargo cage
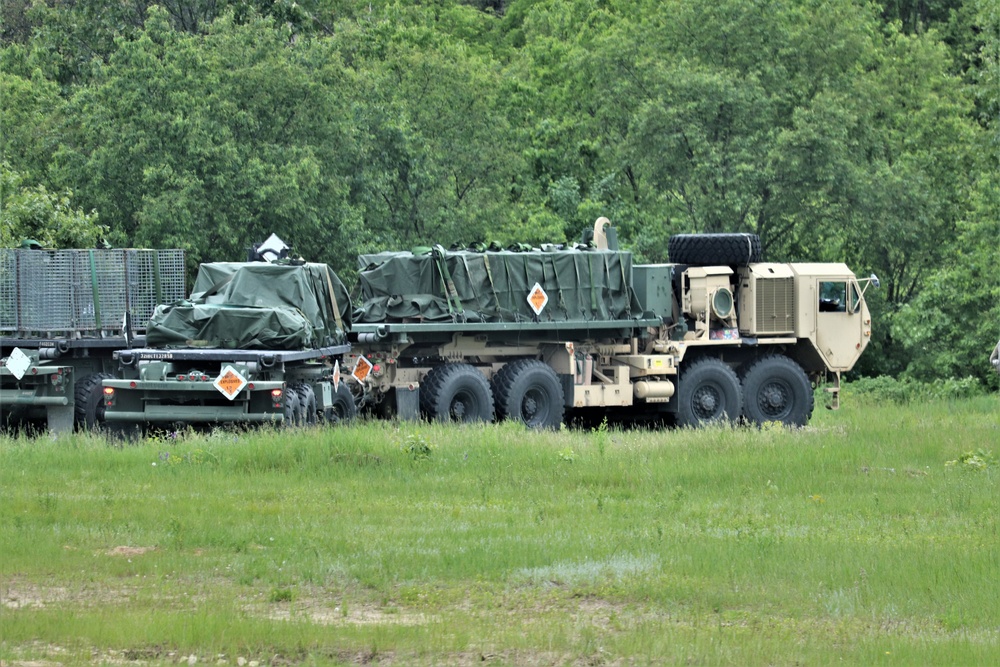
x,y
73,293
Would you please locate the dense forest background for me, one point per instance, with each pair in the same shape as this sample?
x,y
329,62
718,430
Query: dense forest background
x,y
837,131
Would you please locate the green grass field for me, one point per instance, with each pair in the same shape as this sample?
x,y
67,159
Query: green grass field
x,y
870,537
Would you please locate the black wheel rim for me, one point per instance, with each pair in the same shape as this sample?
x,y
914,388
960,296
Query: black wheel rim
x,y
464,407
708,402
534,406
774,399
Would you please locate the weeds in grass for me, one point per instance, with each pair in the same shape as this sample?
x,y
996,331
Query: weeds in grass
x,y
416,447
722,545
978,460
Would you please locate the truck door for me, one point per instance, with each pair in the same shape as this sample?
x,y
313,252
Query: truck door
x,y
842,322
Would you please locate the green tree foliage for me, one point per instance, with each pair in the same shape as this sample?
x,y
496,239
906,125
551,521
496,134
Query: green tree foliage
x,y
838,131
437,159
32,212
29,109
950,327
210,143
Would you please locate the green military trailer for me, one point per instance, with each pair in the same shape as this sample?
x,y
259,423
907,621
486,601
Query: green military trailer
x,y
63,315
480,334
257,342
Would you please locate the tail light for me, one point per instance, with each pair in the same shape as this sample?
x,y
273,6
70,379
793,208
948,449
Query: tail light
x,y
109,396
276,397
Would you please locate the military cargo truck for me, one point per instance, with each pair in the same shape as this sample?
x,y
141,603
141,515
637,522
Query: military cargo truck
x,y
63,314
256,342
485,333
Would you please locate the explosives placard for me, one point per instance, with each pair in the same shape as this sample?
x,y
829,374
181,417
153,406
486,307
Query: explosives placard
x,y
230,382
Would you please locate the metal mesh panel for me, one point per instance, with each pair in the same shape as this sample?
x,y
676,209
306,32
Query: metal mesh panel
x,y
66,292
99,290
154,277
8,290
45,294
775,305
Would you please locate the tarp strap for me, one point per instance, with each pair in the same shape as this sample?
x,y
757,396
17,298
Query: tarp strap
x,y
216,287
98,324
450,293
626,287
333,301
559,289
593,295
577,288
509,292
607,277
493,287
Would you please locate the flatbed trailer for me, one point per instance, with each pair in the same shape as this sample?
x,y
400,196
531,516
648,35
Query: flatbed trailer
x,y
170,388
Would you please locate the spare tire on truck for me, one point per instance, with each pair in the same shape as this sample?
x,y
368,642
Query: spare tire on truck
x,y
712,249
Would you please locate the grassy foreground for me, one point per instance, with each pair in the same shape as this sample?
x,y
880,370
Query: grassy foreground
x,y
868,538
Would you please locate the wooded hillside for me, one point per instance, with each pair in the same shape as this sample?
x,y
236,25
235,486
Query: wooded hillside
x,y
847,131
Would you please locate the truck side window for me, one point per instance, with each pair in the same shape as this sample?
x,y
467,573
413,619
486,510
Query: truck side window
x,y
833,297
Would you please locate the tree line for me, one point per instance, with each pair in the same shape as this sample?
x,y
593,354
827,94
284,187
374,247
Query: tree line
x,y
848,131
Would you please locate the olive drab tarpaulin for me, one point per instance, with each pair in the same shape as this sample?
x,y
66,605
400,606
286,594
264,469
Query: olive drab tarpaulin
x,y
256,305
435,286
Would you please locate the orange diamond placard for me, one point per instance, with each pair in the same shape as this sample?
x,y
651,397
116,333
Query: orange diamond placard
x,y
361,369
336,376
537,298
230,382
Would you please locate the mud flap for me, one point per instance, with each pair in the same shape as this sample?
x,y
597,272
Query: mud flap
x,y
60,418
408,403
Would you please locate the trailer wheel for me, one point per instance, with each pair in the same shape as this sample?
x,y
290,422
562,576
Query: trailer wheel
x,y
307,402
456,392
89,398
776,389
707,249
530,392
343,409
293,410
708,392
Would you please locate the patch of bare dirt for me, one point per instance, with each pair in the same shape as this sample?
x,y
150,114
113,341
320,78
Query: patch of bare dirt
x,y
129,551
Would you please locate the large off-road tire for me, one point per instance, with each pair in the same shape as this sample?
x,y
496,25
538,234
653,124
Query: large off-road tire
x,y
88,396
293,408
712,249
776,389
343,409
307,402
530,392
708,391
456,392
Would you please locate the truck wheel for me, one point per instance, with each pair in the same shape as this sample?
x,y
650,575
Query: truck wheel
x,y
456,392
530,392
307,402
776,389
293,411
343,409
89,398
707,392
708,249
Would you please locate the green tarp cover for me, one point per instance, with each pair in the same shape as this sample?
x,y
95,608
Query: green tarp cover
x,y
582,285
256,305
